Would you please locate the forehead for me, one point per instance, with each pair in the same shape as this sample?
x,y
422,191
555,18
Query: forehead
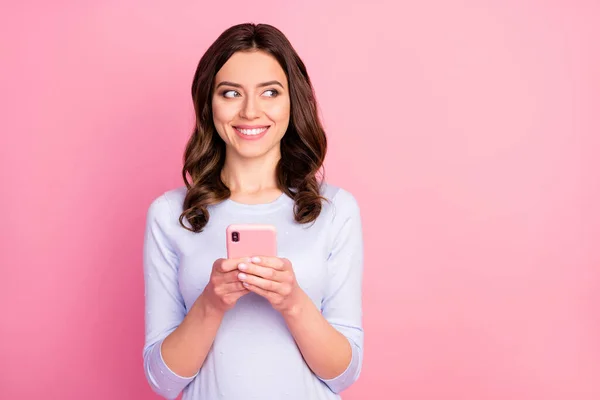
x,y
249,68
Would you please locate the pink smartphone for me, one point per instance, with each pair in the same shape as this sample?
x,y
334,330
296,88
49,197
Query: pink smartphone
x,y
248,240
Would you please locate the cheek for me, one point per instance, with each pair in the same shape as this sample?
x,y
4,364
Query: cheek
x,y
223,113
279,112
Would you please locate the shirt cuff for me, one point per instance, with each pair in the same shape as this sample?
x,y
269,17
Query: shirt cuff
x,y
162,377
349,376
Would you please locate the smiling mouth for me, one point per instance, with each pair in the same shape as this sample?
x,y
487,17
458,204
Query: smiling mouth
x,y
255,131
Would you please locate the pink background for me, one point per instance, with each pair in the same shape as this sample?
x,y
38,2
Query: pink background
x,y
467,130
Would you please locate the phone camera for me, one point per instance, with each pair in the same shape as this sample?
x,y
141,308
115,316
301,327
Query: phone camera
x,y
235,236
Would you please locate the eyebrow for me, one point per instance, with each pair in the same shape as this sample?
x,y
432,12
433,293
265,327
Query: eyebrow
x,y
237,85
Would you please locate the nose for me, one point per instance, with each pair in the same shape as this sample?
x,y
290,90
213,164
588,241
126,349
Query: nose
x,y
249,109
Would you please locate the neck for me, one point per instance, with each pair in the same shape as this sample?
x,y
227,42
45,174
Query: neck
x,y
250,175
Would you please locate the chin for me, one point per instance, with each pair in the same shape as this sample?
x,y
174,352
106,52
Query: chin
x,y
251,152
247,152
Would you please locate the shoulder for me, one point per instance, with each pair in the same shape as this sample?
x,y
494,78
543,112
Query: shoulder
x,y
342,216
168,205
341,202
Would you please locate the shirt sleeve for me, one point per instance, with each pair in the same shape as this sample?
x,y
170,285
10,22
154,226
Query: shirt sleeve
x,y
164,305
342,303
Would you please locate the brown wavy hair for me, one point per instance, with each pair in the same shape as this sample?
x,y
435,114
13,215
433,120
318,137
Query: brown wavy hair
x,y
303,146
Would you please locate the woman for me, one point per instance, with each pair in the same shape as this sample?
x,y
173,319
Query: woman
x,y
286,327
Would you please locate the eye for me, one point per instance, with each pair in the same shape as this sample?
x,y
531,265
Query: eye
x,y
272,93
230,94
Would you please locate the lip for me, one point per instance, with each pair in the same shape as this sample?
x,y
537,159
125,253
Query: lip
x,y
253,137
251,126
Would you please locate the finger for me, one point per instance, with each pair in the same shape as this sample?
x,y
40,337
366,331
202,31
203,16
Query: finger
x,y
270,262
233,297
233,287
230,264
231,276
265,284
258,270
262,292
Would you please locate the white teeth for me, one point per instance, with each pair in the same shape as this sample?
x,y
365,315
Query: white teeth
x,y
252,132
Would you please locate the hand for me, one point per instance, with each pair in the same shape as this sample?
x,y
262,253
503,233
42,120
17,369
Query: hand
x,y
272,278
224,288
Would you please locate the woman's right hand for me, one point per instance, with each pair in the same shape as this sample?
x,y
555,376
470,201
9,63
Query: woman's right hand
x,y
224,288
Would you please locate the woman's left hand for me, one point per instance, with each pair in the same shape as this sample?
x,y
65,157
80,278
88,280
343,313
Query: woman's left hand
x,y
272,278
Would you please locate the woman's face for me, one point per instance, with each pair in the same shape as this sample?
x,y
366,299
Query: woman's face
x,y
251,104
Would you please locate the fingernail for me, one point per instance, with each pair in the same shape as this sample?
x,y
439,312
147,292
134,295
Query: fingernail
x,y
245,284
255,259
242,276
242,267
